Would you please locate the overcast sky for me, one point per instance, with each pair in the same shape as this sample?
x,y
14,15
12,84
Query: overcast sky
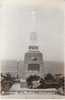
x,y
17,24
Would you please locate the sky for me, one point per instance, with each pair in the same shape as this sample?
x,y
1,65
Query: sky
x,y
17,23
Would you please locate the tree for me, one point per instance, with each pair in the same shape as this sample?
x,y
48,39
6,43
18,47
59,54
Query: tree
x,y
34,81
49,76
6,82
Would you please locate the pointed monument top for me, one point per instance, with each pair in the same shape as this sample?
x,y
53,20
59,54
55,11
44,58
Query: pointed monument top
x,y
33,36
34,20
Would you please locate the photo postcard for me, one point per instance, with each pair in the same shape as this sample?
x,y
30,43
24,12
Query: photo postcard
x,y
32,49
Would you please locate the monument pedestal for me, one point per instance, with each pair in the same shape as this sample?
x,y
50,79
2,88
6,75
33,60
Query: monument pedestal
x,y
33,62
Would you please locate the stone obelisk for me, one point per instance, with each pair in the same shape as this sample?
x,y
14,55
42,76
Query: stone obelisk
x,y
33,58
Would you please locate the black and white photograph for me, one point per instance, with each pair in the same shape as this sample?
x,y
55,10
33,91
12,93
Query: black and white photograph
x,y
32,49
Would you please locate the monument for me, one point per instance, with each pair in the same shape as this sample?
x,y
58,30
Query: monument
x,y
33,58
